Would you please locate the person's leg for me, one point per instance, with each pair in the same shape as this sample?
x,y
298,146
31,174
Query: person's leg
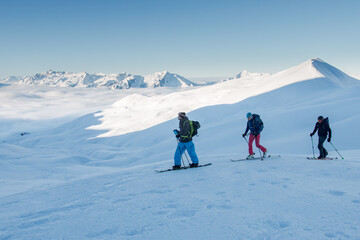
x,y
324,149
321,147
257,142
179,151
191,150
251,140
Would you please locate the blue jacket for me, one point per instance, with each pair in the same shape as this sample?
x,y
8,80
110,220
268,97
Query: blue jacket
x,y
253,126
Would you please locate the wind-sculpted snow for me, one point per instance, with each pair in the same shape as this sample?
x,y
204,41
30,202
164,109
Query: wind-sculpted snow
x,y
93,177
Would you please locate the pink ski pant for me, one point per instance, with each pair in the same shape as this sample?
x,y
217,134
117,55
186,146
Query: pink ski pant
x,y
257,143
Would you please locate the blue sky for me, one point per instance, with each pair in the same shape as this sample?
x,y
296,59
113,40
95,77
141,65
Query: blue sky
x,y
191,38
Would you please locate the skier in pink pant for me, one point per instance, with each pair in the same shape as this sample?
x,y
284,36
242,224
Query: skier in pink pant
x,y
255,125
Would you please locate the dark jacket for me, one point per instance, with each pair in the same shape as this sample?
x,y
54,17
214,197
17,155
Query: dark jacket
x,y
253,126
185,130
323,128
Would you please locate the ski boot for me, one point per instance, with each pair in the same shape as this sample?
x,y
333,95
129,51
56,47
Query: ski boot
x,y
193,165
250,156
176,167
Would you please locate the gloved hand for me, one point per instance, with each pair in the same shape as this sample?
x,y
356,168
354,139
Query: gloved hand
x,y
311,134
244,135
329,139
176,132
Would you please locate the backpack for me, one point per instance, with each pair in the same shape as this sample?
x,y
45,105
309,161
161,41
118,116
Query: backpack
x,y
326,125
258,120
194,126
326,120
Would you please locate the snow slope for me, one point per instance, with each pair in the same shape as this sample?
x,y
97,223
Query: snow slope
x,y
114,81
229,92
93,177
25,108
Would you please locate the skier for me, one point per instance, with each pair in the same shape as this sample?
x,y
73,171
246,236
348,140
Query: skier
x,y
324,128
185,142
255,125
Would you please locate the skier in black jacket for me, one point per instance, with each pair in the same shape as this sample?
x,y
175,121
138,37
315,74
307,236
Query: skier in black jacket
x,y
323,128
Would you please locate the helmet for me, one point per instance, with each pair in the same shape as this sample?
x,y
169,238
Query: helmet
x,y
248,114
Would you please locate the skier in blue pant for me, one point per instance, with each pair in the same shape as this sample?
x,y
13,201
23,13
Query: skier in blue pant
x,y
185,142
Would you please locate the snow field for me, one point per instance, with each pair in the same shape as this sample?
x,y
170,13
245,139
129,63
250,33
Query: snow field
x,y
285,198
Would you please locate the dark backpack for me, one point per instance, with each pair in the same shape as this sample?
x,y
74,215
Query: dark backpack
x,y
258,120
194,126
326,125
326,120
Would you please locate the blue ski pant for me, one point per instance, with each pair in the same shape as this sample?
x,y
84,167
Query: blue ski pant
x,y
181,147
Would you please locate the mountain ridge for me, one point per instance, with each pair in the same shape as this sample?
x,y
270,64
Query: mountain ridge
x,y
115,81
310,69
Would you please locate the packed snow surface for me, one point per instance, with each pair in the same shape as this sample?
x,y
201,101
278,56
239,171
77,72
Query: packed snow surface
x,y
88,171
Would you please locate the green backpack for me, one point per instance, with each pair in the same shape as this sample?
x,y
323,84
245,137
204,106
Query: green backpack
x,y
194,126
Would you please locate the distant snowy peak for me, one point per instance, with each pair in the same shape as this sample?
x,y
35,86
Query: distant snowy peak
x,y
248,75
336,75
311,69
316,69
162,79
115,81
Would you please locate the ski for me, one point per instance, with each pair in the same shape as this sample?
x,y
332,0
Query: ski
x,y
327,158
182,168
255,158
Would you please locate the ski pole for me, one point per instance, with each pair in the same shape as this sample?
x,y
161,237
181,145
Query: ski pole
x,y
258,148
187,157
261,156
246,140
312,143
336,150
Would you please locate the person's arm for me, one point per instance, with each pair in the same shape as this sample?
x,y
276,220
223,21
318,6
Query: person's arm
x,y
329,130
315,129
247,129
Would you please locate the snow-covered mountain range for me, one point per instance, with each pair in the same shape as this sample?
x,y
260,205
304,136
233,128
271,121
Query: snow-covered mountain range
x,y
114,81
158,79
